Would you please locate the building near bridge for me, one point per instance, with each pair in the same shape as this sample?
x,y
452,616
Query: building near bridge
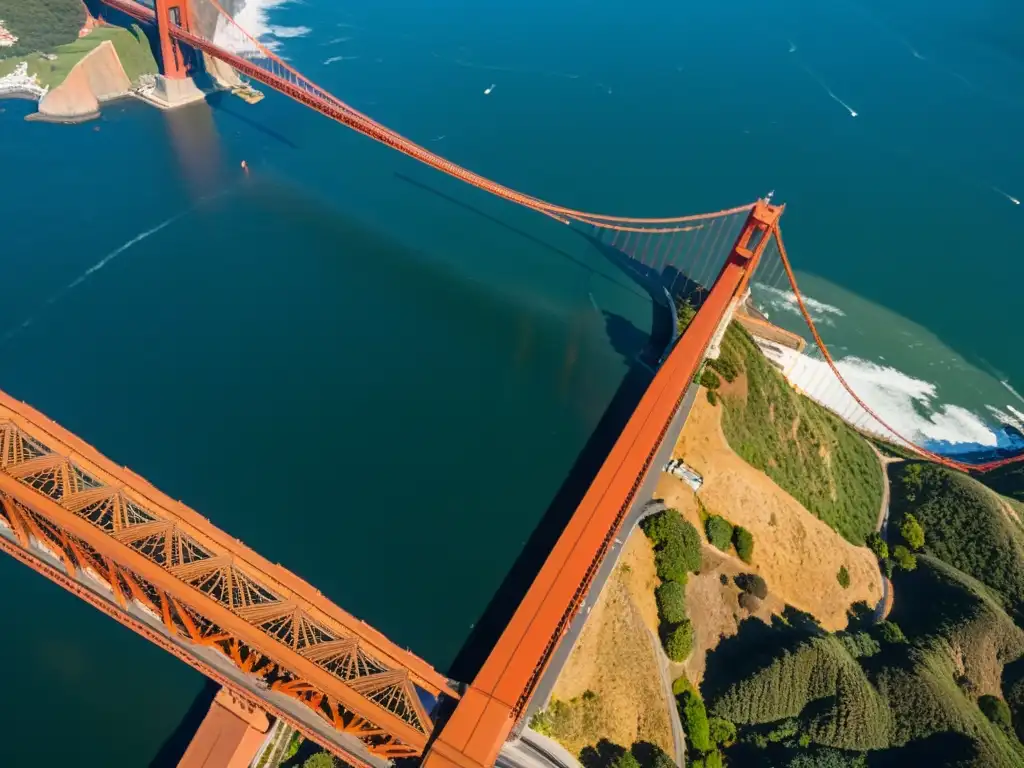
x,y
7,38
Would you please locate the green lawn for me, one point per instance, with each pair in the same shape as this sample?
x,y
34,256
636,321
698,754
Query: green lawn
x,y
131,45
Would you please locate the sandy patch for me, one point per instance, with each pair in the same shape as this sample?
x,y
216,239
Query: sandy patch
x,y
614,658
797,554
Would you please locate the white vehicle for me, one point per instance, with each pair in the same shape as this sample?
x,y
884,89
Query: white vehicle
x,y
685,473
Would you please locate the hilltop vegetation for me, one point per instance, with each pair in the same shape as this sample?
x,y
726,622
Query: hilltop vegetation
x,y
41,25
813,455
132,48
968,527
1008,480
908,696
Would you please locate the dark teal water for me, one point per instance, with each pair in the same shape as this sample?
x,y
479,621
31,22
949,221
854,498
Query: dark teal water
x,y
379,377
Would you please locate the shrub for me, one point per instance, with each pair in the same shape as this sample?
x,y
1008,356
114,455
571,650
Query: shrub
x,y
722,731
625,760
996,710
877,545
725,366
670,561
679,641
859,644
668,528
695,722
681,685
912,532
319,760
904,558
891,633
713,759
744,542
843,577
748,602
887,568
293,745
719,532
753,584
662,526
710,379
671,597
712,397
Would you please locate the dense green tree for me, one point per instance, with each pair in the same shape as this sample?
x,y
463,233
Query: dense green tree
x,y
713,759
679,641
722,731
744,542
695,721
710,379
676,543
878,545
625,760
41,25
671,598
890,632
859,644
670,561
996,710
319,760
826,757
912,532
904,558
843,577
719,531
726,366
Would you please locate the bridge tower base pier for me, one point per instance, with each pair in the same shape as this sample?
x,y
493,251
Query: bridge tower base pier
x,y
176,92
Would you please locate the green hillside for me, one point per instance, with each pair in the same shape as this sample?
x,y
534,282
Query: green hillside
x,y
966,525
809,452
902,701
41,25
1008,480
132,48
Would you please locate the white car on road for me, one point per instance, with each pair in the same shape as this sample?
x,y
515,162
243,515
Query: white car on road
x,y
685,473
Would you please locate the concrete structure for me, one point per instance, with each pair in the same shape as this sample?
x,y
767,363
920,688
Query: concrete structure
x,y
229,736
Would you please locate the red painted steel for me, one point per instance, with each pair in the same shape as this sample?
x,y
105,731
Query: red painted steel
x,y
169,15
211,594
490,708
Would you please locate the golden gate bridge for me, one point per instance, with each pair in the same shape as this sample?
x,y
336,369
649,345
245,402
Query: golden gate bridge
x,y
169,574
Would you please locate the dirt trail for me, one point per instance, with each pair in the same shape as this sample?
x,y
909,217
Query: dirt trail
x,y
797,554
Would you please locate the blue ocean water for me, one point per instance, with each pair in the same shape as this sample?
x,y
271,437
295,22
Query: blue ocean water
x,y
380,377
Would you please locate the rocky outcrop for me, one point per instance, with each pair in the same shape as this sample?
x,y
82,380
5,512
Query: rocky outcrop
x,y
97,77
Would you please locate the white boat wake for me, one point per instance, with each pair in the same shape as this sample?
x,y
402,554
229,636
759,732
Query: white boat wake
x,y
831,94
1008,196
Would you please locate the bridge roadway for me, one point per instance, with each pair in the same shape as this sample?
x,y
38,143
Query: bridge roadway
x,y
160,568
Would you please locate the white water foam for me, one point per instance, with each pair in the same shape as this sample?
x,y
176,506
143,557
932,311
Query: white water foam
x,y
907,404
779,299
253,17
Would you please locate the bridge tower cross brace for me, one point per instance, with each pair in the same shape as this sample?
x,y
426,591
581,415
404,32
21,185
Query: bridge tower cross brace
x,y
168,13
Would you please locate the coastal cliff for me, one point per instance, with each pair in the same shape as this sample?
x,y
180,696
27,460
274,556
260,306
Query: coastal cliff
x,y
97,77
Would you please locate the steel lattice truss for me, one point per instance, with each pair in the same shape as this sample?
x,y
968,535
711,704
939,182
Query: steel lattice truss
x,y
103,526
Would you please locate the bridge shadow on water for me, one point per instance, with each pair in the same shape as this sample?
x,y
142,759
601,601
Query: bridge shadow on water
x,y
626,339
